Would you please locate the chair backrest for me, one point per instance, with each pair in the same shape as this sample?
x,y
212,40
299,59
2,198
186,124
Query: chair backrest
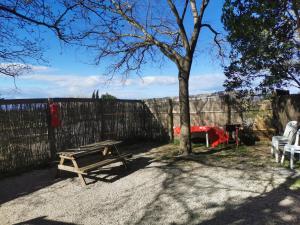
x,y
290,127
292,136
297,138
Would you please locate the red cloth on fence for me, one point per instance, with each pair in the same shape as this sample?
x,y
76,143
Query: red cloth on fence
x,y
54,115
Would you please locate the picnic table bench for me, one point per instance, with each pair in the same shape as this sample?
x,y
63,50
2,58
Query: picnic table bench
x,y
87,158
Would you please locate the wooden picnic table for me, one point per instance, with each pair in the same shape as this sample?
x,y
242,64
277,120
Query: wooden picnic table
x,y
100,154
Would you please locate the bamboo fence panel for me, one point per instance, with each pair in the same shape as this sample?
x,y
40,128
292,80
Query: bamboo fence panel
x,y
26,137
96,120
23,136
217,110
80,124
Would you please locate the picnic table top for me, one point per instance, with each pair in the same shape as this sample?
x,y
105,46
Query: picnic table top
x,y
88,149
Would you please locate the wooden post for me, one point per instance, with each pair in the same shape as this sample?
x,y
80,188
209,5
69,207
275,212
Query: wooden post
x,y
228,101
51,135
144,114
102,119
170,120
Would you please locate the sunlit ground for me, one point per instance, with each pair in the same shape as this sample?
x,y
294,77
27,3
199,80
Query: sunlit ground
x,y
225,185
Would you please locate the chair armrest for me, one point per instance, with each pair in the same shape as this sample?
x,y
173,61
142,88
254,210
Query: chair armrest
x,y
295,147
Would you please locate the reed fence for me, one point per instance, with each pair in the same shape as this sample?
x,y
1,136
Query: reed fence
x,y
28,140
266,116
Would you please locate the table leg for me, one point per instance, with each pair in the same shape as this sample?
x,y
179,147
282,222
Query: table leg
x,y
119,155
117,151
207,140
79,175
58,172
105,151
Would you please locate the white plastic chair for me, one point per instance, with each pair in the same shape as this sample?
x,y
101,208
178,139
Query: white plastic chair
x,y
292,149
278,142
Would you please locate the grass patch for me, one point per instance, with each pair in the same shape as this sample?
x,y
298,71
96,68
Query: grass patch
x,y
197,145
295,185
176,142
194,145
244,157
256,157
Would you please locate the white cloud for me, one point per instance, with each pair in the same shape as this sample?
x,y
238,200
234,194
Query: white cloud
x,y
149,81
159,80
54,85
67,80
207,83
96,80
31,67
40,68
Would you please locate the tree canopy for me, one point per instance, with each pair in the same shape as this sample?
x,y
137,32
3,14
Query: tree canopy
x,y
108,96
265,42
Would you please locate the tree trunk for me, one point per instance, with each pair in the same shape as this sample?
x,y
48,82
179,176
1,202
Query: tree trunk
x,y
185,131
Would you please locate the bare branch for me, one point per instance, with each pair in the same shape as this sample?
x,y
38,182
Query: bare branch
x,y
166,31
180,25
53,26
165,48
13,69
184,9
293,78
197,25
215,37
194,11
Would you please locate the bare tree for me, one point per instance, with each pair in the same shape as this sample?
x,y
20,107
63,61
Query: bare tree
x,y
21,29
134,32
131,33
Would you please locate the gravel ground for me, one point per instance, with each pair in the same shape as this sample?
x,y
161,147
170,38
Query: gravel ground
x,y
153,192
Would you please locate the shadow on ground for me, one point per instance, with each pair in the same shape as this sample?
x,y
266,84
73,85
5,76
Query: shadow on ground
x,y
190,190
26,183
275,207
113,173
281,205
43,221
212,151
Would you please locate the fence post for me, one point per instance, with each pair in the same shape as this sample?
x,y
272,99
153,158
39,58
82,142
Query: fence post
x,y
101,101
170,120
51,134
144,114
228,101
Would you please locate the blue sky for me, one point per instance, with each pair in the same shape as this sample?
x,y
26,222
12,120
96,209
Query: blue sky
x,y
69,73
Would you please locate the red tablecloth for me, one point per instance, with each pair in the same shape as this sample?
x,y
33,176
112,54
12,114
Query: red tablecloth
x,y
216,135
